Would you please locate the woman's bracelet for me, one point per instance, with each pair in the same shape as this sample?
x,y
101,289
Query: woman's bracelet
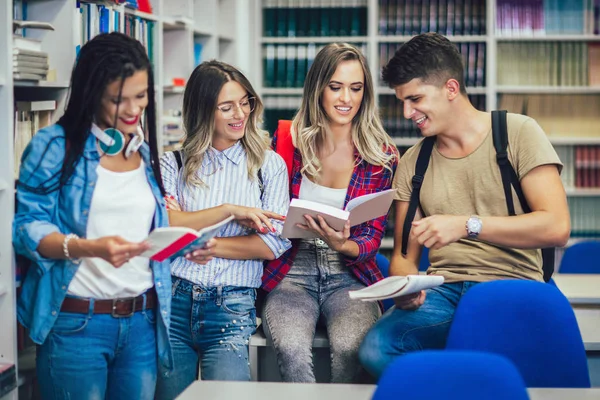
x,y
66,248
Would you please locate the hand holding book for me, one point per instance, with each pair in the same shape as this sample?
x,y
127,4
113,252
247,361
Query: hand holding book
x,y
358,210
396,286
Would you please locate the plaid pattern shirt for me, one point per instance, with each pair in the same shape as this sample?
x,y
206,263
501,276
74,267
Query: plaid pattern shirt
x,y
366,179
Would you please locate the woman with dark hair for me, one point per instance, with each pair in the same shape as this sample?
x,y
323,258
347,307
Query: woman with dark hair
x,y
227,169
88,194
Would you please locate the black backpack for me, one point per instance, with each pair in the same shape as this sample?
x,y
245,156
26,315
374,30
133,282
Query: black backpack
x,y
261,186
509,178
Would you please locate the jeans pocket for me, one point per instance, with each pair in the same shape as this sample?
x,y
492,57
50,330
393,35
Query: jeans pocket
x,y
239,304
67,323
150,316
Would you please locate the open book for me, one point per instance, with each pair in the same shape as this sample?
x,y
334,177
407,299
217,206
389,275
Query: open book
x,y
395,286
177,241
358,210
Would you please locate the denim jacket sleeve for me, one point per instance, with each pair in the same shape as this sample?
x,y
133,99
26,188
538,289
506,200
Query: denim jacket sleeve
x,y
34,219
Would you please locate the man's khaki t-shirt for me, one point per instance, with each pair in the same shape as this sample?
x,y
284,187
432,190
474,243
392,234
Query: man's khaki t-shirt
x,y
472,185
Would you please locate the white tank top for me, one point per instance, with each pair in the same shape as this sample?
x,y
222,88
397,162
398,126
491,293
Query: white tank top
x,y
322,194
122,205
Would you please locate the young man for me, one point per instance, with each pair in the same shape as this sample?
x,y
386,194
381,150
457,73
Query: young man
x,y
466,224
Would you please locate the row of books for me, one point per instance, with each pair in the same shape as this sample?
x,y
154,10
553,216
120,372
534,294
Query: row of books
x,y
448,17
92,19
286,65
549,64
396,125
30,116
581,166
560,115
297,18
473,54
279,108
547,17
585,216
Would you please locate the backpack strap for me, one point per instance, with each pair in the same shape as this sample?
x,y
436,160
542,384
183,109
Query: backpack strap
x,y
261,183
510,180
417,181
509,176
177,154
285,145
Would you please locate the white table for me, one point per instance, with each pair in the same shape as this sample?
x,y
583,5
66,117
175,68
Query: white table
x,y
579,288
216,390
588,320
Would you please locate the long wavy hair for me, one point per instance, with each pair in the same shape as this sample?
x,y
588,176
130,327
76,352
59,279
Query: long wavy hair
x,y
199,107
311,124
101,61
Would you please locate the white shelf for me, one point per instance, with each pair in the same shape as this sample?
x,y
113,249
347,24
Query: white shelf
x,y
144,15
387,243
583,192
455,39
314,39
282,91
549,89
547,38
170,23
171,120
574,141
2,82
405,141
173,90
470,90
41,84
202,32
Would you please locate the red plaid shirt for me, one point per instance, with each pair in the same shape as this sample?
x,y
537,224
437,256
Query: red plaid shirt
x,y
366,179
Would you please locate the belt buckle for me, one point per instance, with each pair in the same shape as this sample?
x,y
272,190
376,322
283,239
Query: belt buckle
x,y
113,311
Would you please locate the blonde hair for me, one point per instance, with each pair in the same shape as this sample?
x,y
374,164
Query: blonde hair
x,y
310,125
199,107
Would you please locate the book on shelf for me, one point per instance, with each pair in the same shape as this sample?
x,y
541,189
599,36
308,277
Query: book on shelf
x,y
396,286
358,210
8,378
177,241
23,43
30,117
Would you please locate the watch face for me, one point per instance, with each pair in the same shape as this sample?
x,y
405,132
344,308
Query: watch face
x,y
474,225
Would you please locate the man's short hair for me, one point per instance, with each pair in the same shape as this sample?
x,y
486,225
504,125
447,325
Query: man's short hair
x,y
430,57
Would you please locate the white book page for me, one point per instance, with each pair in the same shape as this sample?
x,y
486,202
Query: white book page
x,y
370,206
335,217
396,286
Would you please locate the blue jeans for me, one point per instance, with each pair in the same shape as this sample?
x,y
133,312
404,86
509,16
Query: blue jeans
x,y
317,287
97,356
400,331
212,327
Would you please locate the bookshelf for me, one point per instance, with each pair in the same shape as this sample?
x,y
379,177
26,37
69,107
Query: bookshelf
x,y
8,343
178,34
553,46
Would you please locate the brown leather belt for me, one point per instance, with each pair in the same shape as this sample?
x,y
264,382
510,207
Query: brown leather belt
x,y
118,308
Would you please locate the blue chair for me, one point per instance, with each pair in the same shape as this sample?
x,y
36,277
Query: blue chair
x,y
384,266
449,375
424,261
581,258
531,323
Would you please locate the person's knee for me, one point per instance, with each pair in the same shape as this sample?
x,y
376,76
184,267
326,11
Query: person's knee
x,y
372,351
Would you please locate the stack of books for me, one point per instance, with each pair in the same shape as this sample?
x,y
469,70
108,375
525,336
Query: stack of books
x,y
29,61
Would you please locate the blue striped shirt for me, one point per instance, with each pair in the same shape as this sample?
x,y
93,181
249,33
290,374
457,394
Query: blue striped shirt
x,y
225,175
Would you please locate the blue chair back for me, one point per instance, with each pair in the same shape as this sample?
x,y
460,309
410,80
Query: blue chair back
x,y
384,266
464,375
581,258
531,323
424,261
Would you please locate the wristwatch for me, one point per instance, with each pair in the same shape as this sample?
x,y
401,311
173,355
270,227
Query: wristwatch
x,y
473,226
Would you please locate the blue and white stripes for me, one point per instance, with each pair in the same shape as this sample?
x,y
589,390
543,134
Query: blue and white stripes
x,y
226,177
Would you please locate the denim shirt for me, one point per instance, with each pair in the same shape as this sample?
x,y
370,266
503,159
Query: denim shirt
x,y
66,211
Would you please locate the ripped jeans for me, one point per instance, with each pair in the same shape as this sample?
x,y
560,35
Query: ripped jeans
x,y
210,327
